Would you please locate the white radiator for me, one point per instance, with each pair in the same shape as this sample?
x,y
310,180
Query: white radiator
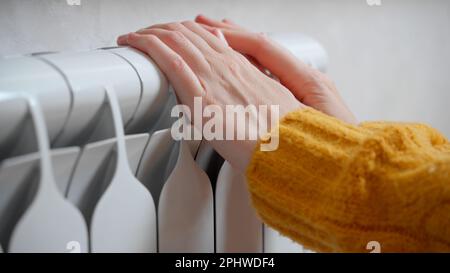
x,y
88,164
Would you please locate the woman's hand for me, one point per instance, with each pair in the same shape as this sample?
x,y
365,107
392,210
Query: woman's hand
x,y
308,85
199,64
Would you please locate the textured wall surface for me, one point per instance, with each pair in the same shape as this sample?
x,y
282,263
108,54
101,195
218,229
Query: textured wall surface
x,y
389,62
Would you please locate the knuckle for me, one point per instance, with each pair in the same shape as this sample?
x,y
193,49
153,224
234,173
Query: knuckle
x,y
177,63
150,39
262,37
262,42
233,65
176,37
174,26
188,24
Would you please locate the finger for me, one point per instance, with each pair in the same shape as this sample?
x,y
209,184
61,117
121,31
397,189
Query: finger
x,y
207,36
280,61
122,40
233,24
180,75
215,31
208,28
211,22
219,34
195,39
182,46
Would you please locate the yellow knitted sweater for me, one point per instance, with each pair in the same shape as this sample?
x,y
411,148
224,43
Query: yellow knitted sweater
x,y
333,187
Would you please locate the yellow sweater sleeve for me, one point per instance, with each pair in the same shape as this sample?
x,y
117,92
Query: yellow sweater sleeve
x,y
334,187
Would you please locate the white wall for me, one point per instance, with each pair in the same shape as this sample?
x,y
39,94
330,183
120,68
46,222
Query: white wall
x,y
390,62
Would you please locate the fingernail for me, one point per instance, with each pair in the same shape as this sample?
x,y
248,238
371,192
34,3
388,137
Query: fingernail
x,y
201,16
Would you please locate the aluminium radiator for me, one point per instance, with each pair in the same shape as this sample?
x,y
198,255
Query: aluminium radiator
x,y
88,164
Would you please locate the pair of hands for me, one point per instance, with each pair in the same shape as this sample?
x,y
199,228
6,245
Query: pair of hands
x,y
206,59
